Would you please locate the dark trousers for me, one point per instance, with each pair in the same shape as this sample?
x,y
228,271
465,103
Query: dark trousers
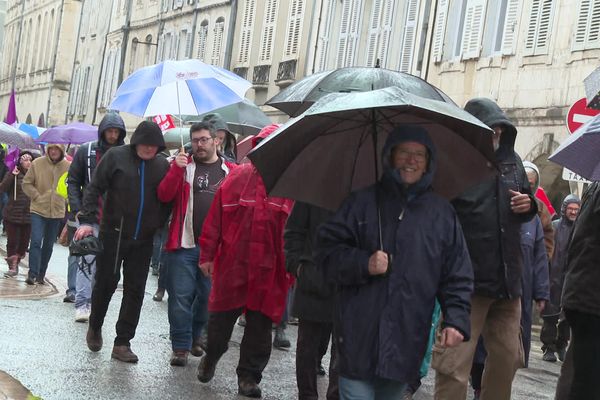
x,y
586,355
17,238
313,338
134,256
255,349
555,333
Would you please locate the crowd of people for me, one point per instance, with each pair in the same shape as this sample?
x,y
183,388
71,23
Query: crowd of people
x,y
396,278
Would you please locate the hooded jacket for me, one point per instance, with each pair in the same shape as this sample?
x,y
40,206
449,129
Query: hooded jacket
x,y
243,235
491,229
16,210
129,185
558,267
87,157
229,143
40,183
382,323
580,291
543,211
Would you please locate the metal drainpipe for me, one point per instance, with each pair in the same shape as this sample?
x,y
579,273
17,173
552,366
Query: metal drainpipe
x,y
126,28
54,58
14,69
310,36
161,29
194,24
75,60
429,50
101,68
230,36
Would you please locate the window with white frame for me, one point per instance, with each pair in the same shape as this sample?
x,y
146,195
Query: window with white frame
x,y
349,32
84,89
74,91
439,32
246,31
294,28
506,31
471,34
268,32
540,27
380,28
202,40
587,31
183,48
323,40
409,36
217,49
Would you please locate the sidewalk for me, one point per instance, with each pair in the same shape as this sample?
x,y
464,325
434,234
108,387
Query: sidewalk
x,y
16,287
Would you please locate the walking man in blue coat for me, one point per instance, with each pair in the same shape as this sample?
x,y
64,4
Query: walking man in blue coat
x,y
386,296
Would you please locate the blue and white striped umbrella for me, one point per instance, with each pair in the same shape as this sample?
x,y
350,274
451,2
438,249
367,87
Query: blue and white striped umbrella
x,y
186,87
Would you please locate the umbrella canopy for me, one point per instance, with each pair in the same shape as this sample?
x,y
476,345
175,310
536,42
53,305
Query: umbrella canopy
x,y
14,137
31,130
299,96
323,155
243,118
73,133
186,87
243,148
175,137
592,89
580,152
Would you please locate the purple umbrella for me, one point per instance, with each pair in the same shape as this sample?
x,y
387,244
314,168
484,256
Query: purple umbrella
x,y
74,133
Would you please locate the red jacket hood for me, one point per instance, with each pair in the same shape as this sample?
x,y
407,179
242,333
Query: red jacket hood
x,y
266,131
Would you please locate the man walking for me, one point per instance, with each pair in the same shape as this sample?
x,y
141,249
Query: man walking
x,y
190,184
392,249
491,214
555,332
47,208
128,178
111,132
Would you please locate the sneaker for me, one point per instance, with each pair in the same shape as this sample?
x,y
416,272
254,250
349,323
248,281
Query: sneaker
x,y
242,320
281,341
549,356
11,273
124,353
248,388
206,370
293,321
82,314
69,298
562,353
179,358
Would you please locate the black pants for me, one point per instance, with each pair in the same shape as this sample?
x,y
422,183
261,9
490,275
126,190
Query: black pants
x,y
255,349
586,355
555,333
313,338
17,238
134,256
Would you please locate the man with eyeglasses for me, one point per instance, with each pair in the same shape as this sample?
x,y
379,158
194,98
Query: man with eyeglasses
x,y
190,186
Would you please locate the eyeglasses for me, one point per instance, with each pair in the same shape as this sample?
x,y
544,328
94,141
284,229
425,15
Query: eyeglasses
x,y
202,140
418,156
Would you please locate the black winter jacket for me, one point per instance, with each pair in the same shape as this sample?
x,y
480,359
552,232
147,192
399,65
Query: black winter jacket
x,y
490,227
313,298
84,162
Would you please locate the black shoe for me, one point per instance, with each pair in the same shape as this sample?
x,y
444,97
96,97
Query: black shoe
x,y
281,341
549,356
29,281
158,296
206,370
179,358
40,281
197,347
155,269
248,388
70,298
320,370
562,353
124,353
94,339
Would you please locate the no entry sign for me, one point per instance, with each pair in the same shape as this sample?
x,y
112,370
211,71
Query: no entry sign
x,y
579,114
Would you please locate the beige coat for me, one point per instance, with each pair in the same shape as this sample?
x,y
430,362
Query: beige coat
x,y
40,184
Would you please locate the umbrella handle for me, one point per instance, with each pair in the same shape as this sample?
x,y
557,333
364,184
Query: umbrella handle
x,y
15,185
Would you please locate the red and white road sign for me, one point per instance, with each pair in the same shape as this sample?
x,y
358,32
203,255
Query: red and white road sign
x,y
579,114
165,122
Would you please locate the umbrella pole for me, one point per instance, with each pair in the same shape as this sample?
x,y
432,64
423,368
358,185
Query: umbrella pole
x,y
180,120
15,194
377,202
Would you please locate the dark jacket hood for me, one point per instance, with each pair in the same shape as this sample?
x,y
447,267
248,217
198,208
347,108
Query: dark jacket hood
x,y
569,199
409,133
229,144
488,112
111,120
149,133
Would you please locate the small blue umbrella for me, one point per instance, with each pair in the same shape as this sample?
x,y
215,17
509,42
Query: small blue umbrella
x,y
580,152
31,130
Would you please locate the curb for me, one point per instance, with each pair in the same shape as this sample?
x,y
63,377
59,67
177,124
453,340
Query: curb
x,y
10,388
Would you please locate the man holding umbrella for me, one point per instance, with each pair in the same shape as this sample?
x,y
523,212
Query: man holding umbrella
x,y
392,249
128,178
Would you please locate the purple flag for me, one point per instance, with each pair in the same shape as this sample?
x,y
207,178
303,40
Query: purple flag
x,y
12,156
11,115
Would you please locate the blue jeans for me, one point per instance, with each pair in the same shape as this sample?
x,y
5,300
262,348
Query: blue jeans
x,y
43,235
73,262
188,290
376,389
86,270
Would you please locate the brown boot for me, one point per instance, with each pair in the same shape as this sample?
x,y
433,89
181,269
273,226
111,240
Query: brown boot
x,y
13,265
94,339
124,353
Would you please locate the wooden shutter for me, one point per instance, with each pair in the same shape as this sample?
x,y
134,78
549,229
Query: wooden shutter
x,y
440,29
160,52
325,35
74,90
409,36
246,34
473,29
202,40
587,30
294,28
188,45
385,34
354,32
374,29
540,27
344,29
217,42
268,36
509,33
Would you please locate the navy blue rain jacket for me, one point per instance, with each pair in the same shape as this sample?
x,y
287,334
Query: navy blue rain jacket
x,y
382,323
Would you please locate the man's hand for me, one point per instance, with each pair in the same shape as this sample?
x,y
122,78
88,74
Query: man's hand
x,y
451,337
181,160
378,263
540,305
207,268
519,203
83,231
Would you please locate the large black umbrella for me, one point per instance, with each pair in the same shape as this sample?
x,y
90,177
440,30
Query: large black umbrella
x,y
322,156
298,97
592,89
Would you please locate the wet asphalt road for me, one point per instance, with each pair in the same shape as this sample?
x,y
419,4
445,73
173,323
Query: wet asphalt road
x,y
45,349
